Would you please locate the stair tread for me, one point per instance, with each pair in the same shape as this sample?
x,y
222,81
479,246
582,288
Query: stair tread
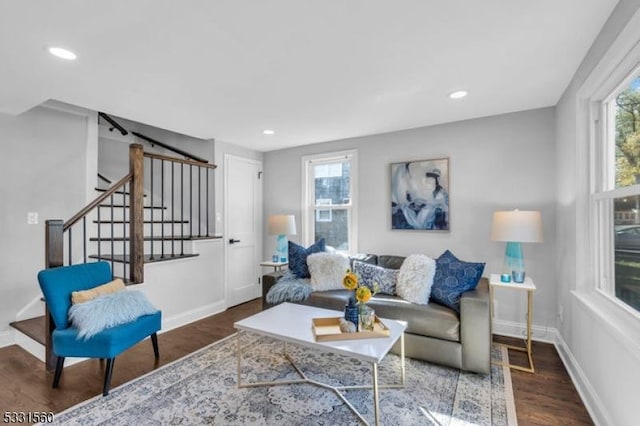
x,y
116,206
117,192
147,257
32,327
146,221
167,238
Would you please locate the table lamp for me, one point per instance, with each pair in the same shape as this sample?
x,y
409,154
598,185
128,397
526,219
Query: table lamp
x,y
515,227
282,225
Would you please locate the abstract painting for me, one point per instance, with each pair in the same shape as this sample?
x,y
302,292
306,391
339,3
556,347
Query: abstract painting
x,y
420,195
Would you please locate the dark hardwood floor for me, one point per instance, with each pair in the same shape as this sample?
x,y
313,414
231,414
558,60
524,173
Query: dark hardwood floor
x,y
547,397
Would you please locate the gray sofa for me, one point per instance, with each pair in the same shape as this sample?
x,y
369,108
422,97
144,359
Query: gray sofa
x,y
434,332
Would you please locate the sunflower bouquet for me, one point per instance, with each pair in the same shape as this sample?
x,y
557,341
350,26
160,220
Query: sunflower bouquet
x,y
361,294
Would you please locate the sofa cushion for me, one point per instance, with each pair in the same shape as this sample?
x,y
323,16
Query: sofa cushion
x,y
330,299
430,320
390,262
327,270
298,257
454,277
371,274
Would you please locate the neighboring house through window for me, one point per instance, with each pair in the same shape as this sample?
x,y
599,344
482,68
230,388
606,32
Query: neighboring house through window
x,y
329,199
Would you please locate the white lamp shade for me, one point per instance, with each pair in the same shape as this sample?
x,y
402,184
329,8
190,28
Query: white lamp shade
x,y
283,224
517,226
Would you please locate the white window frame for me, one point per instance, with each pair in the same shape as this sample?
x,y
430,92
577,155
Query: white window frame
x,y
595,231
309,208
319,212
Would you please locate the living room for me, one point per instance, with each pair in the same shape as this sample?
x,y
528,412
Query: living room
x,y
532,154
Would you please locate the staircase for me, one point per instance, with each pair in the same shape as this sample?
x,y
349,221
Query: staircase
x,y
129,228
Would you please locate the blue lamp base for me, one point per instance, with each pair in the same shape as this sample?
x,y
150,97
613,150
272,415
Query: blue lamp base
x,y
513,264
282,248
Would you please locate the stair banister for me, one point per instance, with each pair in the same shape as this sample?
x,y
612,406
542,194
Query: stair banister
x,y
136,213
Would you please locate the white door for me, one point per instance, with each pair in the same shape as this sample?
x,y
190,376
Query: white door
x,y
243,228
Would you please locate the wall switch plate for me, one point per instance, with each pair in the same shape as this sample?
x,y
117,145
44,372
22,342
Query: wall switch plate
x,y
32,218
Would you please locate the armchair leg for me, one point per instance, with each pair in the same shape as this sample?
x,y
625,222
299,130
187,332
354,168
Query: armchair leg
x,y
107,376
154,341
58,373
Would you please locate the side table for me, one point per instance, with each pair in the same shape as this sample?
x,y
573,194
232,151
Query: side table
x,y
528,286
277,266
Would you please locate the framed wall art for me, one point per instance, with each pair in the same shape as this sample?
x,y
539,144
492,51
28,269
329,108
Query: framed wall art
x,y
420,195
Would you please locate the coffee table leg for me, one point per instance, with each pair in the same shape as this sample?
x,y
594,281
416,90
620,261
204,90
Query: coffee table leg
x,y
238,353
402,364
376,404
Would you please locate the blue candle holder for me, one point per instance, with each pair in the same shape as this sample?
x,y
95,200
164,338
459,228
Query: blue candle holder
x,y
505,278
518,276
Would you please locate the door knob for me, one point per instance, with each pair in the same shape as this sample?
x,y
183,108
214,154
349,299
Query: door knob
x,y
232,241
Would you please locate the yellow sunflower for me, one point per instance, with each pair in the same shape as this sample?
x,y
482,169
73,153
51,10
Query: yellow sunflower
x,y
363,294
350,281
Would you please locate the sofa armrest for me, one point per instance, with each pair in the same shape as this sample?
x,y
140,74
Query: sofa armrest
x,y
475,328
268,281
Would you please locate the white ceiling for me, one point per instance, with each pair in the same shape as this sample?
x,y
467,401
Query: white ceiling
x,y
311,70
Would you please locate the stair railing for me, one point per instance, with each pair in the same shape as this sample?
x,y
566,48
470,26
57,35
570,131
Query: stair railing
x,y
185,185
131,187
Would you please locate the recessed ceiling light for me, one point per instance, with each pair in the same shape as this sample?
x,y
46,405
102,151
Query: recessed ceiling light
x,y
62,53
268,132
458,94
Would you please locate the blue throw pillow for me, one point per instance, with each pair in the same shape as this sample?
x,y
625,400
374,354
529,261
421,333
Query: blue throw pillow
x,y
370,274
298,257
454,277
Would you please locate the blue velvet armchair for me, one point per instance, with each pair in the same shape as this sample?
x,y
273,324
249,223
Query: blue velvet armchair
x,y
57,284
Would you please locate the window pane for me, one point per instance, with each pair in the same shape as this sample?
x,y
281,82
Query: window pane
x,y
627,250
627,135
333,226
332,183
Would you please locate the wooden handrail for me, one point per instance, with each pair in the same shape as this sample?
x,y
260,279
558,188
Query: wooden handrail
x,y
97,201
179,160
169,147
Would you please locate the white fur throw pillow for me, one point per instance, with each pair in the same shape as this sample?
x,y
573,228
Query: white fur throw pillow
x,y
327,270
416,278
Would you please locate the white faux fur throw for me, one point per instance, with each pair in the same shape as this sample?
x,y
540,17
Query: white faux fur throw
x,y
109,310
327,270
416,278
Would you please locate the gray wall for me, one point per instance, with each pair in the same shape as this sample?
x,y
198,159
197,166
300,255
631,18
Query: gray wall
x,y
603,365
43,164
500,162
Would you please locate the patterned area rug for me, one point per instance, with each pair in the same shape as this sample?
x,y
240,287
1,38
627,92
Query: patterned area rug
x,y
201,389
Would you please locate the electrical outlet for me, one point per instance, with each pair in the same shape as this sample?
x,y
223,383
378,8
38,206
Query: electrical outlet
x,y
32,218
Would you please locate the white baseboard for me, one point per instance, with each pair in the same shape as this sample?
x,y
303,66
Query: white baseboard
x,y
519,330
589,396
6,338
188,317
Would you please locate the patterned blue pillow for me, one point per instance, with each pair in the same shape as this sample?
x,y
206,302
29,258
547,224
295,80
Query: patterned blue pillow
x,y
369,274
298,257
454,277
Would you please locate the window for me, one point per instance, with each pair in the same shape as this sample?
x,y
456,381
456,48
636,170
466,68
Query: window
x,y
616,193
329,199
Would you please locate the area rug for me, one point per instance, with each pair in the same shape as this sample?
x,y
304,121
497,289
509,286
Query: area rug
x,y
201,388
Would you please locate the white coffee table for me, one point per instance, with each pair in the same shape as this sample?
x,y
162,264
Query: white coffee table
x,y
291,323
